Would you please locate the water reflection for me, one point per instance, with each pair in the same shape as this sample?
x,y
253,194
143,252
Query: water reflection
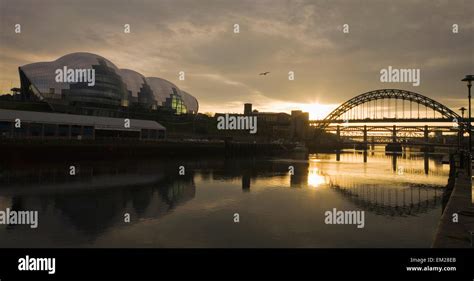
x,y
88,209
394,156
393,202
97,197
315,177
397,199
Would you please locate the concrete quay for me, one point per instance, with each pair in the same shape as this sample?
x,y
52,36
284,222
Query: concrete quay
x,y
456,226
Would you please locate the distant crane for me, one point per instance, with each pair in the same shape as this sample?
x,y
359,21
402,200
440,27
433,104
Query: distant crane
x,y
264,73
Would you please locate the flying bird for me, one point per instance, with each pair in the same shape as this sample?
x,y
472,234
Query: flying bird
x,y
264,73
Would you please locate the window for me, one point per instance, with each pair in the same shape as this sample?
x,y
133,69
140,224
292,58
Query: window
x,y
20,132
5,129
75,130
63,130
88,131
50,130
36,129
178,105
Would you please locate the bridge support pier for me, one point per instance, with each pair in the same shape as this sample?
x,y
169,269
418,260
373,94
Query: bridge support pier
x,y
365,137
394,134
394,162
365,144
426,134
394,146
427,147
426,162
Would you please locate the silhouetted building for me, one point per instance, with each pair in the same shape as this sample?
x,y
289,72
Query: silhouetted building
x,y
44,125
247,108
273,125
299,125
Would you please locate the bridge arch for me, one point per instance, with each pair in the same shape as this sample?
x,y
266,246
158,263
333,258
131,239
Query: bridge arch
x,y
389,94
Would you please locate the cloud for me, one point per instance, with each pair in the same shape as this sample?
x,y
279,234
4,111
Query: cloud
x,y
277,36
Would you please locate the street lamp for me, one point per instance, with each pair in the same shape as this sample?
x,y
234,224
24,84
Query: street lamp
x,y
461,129
469,79
462,112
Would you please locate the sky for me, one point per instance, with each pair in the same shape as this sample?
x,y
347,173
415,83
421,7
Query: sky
x,y
222,67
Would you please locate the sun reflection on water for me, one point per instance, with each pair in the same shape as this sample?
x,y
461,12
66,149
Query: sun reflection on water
x,y
315,178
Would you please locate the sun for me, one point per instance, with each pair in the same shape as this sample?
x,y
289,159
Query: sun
x,y
317,111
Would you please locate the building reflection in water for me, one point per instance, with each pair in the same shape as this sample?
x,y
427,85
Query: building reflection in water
x,y
246,182
300,174
142,193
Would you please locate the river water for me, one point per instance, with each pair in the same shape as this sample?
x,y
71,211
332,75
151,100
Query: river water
x,y
278,202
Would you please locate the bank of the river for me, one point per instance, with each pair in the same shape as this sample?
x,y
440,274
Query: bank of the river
x,y
132,148
457,222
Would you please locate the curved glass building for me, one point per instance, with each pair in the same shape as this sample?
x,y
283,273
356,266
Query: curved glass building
x,y
90,84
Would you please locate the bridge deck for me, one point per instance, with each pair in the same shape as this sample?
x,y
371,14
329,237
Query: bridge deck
x,y
386,120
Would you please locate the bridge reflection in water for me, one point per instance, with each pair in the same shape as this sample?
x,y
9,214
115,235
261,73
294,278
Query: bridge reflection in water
x,y
392,202
394,158
403,198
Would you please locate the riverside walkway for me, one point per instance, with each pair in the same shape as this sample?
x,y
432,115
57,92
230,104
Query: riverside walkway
x,y
452,234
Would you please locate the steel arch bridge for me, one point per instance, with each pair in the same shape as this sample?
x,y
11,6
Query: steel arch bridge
x,y
369,114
